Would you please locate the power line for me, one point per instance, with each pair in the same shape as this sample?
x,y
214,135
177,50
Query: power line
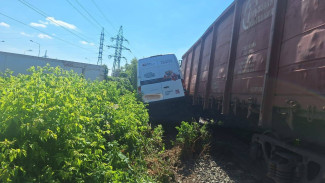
x,y
82,7
131,51
101,12
82,14
43,32
45,15
88,14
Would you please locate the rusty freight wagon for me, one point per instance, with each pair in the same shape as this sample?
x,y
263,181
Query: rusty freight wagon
x,y
264,61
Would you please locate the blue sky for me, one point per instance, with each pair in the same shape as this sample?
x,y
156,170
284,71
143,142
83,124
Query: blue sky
x,y
151,26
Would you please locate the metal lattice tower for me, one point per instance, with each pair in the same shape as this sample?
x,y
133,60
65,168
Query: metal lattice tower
x,y
100,53
119,39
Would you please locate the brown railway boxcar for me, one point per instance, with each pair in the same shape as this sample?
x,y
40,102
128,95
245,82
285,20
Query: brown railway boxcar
x,y
264,60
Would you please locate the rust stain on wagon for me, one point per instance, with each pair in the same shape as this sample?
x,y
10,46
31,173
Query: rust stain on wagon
x,y
311,45
251,63
313,13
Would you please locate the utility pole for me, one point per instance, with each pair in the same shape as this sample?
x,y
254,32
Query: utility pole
x,y
39,46
45,55
100,53
119,39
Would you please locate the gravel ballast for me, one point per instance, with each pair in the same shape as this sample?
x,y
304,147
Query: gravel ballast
x,y
211,169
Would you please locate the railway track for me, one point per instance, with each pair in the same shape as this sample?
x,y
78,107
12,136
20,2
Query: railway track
x,y
226,160
235,145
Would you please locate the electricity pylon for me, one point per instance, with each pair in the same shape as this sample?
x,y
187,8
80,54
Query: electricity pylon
x,y
100,53
119,39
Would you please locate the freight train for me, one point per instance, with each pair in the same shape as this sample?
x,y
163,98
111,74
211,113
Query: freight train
x,y
263,61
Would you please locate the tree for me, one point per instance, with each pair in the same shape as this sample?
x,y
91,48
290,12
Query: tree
x,y
130,71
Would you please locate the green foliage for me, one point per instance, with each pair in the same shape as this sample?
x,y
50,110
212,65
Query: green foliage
x,y
158,165
192,138
121,83
129,71
55,126
155,140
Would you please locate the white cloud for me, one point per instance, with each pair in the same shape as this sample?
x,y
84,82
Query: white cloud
x,y
43,22
86,43
25,34
60,23
4,25
44,36
33,24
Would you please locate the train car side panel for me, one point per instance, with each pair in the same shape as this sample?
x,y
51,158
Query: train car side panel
x,y
188,70
252,49
183,65
300,89
195,68
203,78
219,71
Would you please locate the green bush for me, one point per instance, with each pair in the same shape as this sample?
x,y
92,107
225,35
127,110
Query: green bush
x,y
192,138
55,126
123,84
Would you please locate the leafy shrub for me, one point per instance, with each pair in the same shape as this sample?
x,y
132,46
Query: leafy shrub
x,y
55,126
192,138
129,71
122,83
157,165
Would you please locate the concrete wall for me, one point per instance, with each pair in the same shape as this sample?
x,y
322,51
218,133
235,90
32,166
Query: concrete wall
x,y
20,63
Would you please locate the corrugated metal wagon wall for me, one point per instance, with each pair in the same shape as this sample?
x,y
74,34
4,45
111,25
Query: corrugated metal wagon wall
x,y
300,86
265,67
264,60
